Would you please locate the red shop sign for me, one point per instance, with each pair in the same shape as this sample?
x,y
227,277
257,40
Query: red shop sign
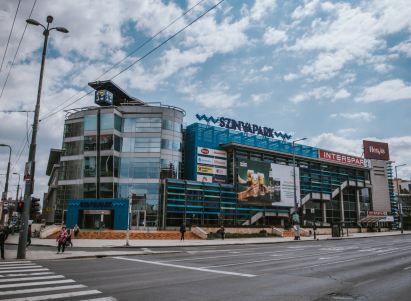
x,y
322,154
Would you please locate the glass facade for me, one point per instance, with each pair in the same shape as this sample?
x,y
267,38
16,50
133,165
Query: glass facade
x,y
73,130
73,148
90,122
139,168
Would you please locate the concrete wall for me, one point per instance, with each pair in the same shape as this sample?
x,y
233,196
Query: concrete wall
x,y
238,230
380,189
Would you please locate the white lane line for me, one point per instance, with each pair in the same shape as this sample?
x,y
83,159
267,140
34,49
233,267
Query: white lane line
x,y
318,265
188,268
57,296
31,278
146,250
364,282
44,289
102,299
267,260
28,274
16,262
36,283
407,268
325,258
19,267
32,270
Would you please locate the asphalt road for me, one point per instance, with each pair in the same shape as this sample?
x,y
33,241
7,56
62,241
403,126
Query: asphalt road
x,y
355,269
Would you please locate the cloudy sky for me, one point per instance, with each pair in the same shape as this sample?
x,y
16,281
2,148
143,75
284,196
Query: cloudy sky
x,y
334,72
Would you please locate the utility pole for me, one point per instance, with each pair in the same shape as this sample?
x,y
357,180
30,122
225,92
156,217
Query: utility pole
x,y
6,187
17,194
399,198
29,187
297,223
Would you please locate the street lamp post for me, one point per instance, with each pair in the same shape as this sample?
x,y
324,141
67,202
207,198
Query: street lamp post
x,y
29,187
128,216
399,198
6,187
296,221
17,194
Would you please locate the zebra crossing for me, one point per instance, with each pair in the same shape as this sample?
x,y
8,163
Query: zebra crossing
x,y
28,281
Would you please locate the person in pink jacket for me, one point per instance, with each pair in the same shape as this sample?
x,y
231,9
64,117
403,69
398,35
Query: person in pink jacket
x,y
62,240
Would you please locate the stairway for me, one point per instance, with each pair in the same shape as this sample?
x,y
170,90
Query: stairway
x,y
113,234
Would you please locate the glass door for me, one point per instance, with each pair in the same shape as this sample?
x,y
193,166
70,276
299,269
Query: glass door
x,y
138,220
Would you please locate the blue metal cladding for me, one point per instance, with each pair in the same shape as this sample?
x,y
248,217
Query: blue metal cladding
x,y
119,206
208,136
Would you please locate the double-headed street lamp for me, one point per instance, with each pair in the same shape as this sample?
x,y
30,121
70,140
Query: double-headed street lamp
x,y
399,198
29,187
6,187
296,221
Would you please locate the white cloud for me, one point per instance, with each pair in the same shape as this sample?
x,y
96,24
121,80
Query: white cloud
x,y
266,68
302,12
345,132
390,90
259,98
341,94
321,92
273,36
333,115
291,76
404,47
363,115
262,8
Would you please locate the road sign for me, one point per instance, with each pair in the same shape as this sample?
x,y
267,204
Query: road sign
x,y
5,204
15,214
295,218
5,211
48,209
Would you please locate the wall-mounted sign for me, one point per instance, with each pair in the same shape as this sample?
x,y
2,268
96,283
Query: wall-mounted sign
x,y
379,213
231,124
205,160
103,97
204,169
376,150
202,178
219,162
219,180
27,171
211,152
322,154
219,171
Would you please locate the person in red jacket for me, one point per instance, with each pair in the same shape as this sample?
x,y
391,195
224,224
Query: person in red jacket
x,y
62,240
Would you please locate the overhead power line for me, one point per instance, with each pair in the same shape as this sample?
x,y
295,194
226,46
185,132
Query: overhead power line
x,y
5,51
12,64
47,116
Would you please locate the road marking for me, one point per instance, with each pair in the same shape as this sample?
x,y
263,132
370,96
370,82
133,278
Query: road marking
x,y
32,270
146,250
57,296
407,268
44,289
266,260
102,299
32,278
317,265
235,252
28,274
364,282
19,267
324,258
188,268
17,262
36,283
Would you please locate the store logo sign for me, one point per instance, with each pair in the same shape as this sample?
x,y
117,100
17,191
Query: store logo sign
x,y
205,151
103,97
243,164
204,160
376,150
322,154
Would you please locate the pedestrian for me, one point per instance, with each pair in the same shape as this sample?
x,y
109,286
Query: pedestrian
x,y
222,231
3,237
62,240
68,240
28,237
183,230
76,231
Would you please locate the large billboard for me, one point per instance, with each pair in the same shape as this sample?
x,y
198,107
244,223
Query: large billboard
x,y
376,150
267,183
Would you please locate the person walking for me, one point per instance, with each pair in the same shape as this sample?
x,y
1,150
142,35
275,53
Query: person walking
x,y
3,237
28,237
62,240
222,231
183,230
68,240
76,230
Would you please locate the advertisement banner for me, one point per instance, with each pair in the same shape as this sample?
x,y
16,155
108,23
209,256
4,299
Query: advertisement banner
x,y
219,180
201,178
267,183
211,152
205,160
379,213
376,150
204,169
322,154
219,162
219,171
27,171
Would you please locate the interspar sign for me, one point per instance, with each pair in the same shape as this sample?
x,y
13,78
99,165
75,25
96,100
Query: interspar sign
x,y
211,152
322,154
376,150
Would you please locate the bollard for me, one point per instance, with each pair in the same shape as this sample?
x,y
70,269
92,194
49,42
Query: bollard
x,y
12,230
315,237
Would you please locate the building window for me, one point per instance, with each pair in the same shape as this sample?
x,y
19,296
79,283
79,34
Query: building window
x,y
90,166
90,122
169,144
106,121
106,166
139,168
144,145
89,191
73,148
117,122
73,130
129,125
172,126
90,143
69,170
106,190
170,169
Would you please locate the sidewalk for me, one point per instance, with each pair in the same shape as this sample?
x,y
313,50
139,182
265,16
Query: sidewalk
x,y
106,244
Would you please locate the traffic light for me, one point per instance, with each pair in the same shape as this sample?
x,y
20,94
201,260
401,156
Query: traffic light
x,y
20,207
35,206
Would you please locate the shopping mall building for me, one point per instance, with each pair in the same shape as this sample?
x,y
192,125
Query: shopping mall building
x,y
214,171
